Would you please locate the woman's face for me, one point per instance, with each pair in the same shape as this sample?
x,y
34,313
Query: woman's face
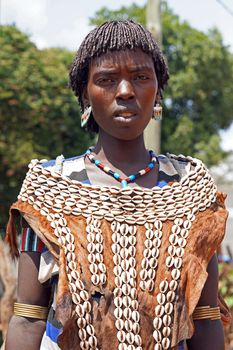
x,y
122,88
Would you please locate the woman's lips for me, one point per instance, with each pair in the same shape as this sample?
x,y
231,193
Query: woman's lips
x,y
125,117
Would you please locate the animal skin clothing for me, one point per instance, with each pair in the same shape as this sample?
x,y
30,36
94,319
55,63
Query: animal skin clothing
x,y
132,262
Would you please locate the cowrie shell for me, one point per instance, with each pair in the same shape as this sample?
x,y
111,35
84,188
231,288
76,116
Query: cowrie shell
x,y
157,336
135,316
128,313
187,224
178,222
130,338
126,289
177,263
167,320
116,237
133,293
158,225
163,286
156,242
149,234
171,296
175,274
168,308
149,285
151,274
176,229
83,335
161,298
102,278
132,240
80,310
171,250
173,239
155,252
143,274
165,343
153,262
169,261
44,211
92,341
90,329
121,336
134,304
159,310
76,298
157,323
145,263
119,324
180,252
158,347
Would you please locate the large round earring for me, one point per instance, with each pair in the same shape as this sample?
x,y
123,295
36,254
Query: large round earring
x,y
158,112
85,116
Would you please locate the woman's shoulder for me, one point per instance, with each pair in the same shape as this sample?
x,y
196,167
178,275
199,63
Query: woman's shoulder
x,y
60,161
72,167
176,166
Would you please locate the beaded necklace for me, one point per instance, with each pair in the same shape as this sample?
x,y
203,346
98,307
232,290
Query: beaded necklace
x,y
131,178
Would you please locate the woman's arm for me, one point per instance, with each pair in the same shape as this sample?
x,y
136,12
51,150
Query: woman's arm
x,y
208,334
26,333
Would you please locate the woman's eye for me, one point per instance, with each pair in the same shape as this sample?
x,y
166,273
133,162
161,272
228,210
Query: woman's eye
x,y
141,77
105,81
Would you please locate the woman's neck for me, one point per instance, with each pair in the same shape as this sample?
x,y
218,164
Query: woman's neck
x,y
121,153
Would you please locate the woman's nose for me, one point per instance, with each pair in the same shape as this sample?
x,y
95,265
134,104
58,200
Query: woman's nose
x,y
125,90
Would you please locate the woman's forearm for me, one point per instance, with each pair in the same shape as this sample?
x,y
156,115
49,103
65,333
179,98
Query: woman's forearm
x,y
208,335
24,334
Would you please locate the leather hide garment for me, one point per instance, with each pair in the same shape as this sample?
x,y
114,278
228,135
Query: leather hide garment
x,y
143,252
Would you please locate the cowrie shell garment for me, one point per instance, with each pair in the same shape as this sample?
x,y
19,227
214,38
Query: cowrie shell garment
x,y
127,212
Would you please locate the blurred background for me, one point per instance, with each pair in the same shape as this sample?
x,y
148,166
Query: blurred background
x,y
40,118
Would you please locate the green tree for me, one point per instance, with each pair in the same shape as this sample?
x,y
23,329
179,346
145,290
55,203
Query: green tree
x,y
39,115
198,99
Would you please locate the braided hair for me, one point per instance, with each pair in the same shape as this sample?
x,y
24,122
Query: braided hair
x,y
114,36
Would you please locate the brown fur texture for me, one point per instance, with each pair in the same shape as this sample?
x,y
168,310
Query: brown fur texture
x,y
204,238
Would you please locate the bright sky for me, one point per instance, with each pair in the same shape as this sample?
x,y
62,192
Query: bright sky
x,y
65,22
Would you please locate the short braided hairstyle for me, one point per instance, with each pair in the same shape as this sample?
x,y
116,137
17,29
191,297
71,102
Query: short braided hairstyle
x,y
114,36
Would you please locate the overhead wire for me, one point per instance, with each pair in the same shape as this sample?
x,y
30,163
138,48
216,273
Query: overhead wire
x,y
225,7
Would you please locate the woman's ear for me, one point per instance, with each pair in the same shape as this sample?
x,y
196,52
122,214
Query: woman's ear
x,y
158,98
85,98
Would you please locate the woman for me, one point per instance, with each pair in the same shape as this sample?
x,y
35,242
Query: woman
x,y
133,233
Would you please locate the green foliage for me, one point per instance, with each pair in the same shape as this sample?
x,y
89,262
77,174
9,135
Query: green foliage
x,y
39,115
134,12
198,99
226,283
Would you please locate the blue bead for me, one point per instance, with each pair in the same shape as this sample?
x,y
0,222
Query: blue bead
x,y
116,175
151,165
124,184
88,152
97,162
132,177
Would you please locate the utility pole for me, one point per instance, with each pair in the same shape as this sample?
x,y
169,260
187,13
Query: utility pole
x,y
153,24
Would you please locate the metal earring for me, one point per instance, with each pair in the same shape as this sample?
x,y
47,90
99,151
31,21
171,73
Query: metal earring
x,y
85,116
157,112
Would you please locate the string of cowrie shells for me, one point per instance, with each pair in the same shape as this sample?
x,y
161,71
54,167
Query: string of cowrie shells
x,y
56,196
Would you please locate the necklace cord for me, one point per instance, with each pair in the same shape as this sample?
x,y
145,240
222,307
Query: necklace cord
x,y
131,178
